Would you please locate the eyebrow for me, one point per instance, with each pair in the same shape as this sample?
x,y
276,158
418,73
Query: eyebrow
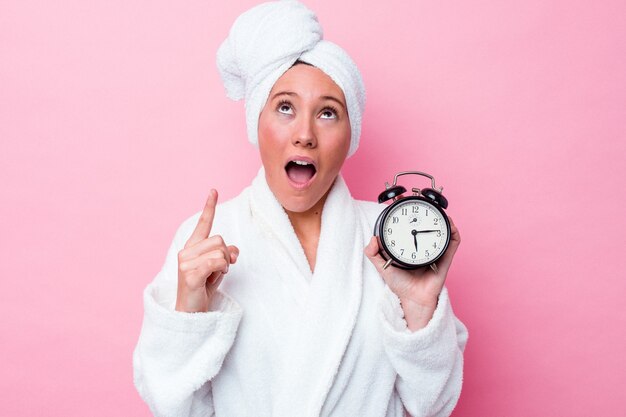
x,y
280,93
291,93
333,99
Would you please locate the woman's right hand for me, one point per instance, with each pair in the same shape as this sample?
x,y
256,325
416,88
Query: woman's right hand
x,y
202,263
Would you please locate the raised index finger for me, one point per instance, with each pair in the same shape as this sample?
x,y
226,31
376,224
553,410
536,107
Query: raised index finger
x,y
203,228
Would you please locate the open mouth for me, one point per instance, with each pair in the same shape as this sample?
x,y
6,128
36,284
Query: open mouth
x,y
300,172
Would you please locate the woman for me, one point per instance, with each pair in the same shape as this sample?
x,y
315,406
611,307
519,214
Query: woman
x,y
266,305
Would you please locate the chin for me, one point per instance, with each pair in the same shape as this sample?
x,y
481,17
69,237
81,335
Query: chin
x,y
297,204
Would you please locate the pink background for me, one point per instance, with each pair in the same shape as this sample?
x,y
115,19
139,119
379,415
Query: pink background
x,y
114,125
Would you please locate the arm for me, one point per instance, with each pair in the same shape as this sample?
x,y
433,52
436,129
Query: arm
x,y
426,349
179,353
429,361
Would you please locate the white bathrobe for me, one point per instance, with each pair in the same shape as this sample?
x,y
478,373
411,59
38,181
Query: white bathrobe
x,y
283,341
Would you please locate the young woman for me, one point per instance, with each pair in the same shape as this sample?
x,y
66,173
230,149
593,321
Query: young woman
x,y
266,305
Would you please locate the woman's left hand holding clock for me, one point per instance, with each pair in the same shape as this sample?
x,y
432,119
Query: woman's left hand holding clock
x,y
417,289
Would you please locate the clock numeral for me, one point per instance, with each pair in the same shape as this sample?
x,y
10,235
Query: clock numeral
x,y
414,255
395,220
438,233
426,213
416,209
393,243
401,251
389,230
436,222
435,245
427,253
404,211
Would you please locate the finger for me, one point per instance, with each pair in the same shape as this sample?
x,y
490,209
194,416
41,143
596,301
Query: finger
x,y
234,253
214,280
196,277
446,259
207,268
203,227
221,252
454,231
371,251
214,277
203,280
202,261
204,246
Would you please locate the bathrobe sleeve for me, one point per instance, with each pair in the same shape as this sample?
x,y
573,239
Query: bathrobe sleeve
x,y
179,353
429,361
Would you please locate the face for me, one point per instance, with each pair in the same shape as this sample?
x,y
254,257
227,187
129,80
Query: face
x,y
304,136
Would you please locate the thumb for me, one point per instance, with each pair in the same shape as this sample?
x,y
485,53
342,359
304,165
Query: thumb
x,y
371,251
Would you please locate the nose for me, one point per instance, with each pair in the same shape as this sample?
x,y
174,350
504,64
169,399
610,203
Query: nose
x,y
304,134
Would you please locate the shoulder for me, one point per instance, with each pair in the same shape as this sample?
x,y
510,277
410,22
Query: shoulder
x,y
370,210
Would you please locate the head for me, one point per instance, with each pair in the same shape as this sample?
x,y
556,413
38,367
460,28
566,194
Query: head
x,y
256,61
305,119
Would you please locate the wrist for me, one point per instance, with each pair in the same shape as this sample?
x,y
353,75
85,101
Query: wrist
x,y
417,315
192,302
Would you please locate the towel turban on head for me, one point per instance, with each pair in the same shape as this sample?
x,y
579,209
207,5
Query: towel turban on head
x,y
265,41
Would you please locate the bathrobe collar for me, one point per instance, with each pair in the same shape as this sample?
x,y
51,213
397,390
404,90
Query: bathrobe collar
x,y
330,296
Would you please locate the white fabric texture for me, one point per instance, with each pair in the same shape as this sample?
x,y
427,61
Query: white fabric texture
x,y
281,340
265,41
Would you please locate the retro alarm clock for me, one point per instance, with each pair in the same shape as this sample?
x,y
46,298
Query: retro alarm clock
x,y
414,230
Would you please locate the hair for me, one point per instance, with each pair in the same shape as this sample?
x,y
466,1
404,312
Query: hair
x,y
302,62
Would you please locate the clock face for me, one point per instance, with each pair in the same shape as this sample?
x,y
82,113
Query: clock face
x,y
415,232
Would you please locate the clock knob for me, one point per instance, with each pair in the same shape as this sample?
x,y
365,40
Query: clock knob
x,y
390,193
435,196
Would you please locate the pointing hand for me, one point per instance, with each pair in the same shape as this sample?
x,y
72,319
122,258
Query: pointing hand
x,y
202,263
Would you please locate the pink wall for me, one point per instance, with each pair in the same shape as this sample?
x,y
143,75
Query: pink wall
x,y
114,125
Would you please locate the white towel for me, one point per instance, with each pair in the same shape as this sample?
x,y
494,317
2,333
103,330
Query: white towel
x,y
266,41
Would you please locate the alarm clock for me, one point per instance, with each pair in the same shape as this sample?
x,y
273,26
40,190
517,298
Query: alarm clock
x,y
414,230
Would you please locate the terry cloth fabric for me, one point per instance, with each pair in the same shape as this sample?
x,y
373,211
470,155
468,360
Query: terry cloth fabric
x,y
282,340
266,41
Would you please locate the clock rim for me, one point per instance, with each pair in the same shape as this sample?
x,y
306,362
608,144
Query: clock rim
x,y
378,233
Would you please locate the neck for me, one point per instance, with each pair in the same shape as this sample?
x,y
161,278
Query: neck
x,y
307,224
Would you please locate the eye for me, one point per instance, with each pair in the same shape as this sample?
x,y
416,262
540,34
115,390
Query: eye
x,y
284,107
329,112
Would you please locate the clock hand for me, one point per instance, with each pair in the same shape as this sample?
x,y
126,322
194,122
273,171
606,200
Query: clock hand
x,y
414,233
424,231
